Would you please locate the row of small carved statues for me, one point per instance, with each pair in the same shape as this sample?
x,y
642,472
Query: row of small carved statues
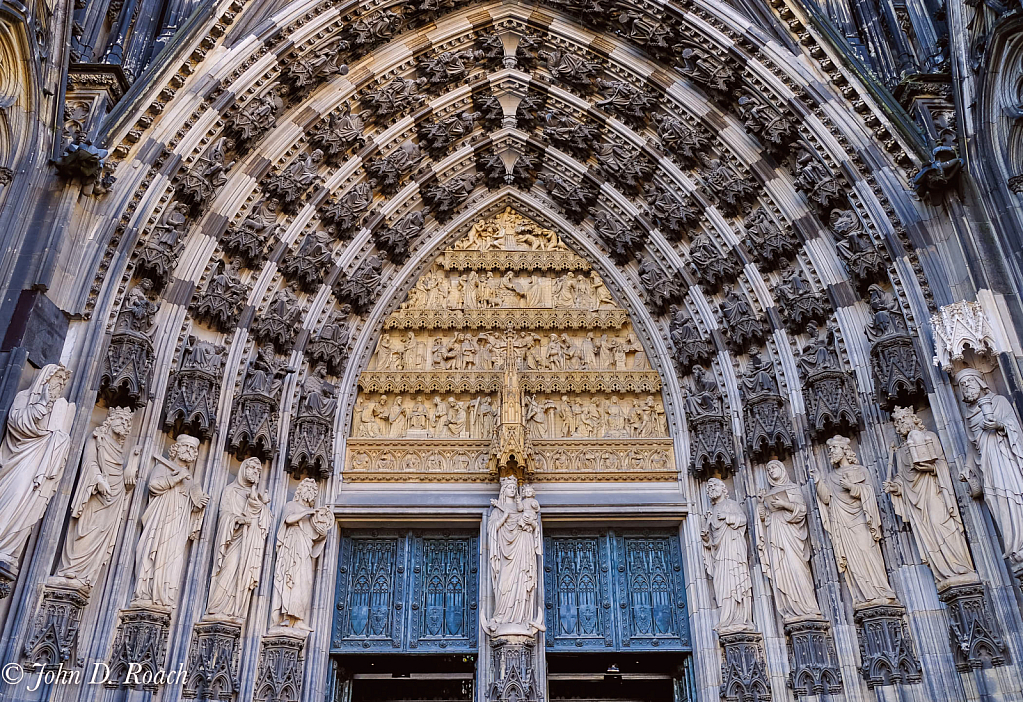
x,y
437,291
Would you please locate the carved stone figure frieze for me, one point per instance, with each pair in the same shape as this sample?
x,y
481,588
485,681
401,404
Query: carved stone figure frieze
x,y
707,70
243,523
448,67
397,97
288,185
742,325
623,240
710,434
662,290
730,189
726,557
566,67
300,538
158,257
625,100
851,516
767,123
438,136
396,239
388,172
996,472
279,322
897,371
569,134
766,240
98,505
768,428
128,364
312,436
338,134
673,215
345,214
330,346
194,392
513,536
361,287
865,261
309,265
303,73
708,265
690,346
32,456
798,303
221,302
255,236
253,429
681,140
785,546
445,198
815,181
253,120
576,199
625,167
198,185
172,518
828,390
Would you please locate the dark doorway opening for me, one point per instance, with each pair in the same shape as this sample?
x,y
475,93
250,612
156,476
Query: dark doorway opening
x,y
406,678
619,677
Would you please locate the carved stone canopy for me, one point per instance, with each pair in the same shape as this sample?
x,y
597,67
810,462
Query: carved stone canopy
x,y
962,332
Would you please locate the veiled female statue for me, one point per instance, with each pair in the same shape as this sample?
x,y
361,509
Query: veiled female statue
x,y
242,526
172,517
851,516
785,547
513,538
726,558
32,456
995,432
99,503
304,527
922,494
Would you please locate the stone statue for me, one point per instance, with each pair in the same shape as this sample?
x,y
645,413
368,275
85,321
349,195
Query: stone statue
x,y
995,432
851,516
242,526
299,542
726,558
99,502
172,517
513,537
785,547
32,456
922,494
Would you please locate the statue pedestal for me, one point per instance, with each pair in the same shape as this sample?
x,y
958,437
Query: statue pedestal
x,y
514,670
281,666
744,672
8,574
213,661
140,646
886,651
976,641
812,655
54,636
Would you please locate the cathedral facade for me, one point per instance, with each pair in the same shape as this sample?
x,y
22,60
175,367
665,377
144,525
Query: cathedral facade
x,y
498,351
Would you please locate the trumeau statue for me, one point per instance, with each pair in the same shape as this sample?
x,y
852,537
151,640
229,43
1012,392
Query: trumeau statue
x,y
851,516
784,545
172,518
514,541
995,432
304,527
726,557
922,494
242,526
99,502
32,455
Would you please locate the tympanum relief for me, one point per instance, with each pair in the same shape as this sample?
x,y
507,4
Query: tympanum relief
x,y
431,394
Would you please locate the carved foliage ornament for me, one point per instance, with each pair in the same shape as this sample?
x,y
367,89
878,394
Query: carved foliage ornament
x,y
288,185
